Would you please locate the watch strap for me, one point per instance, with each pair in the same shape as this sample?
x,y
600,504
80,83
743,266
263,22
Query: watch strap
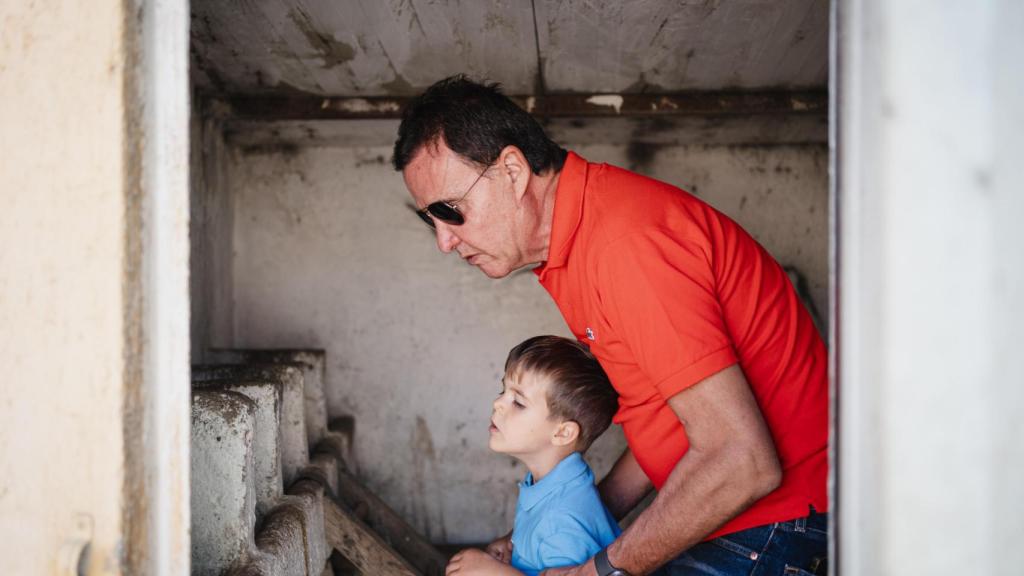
x,y
604,566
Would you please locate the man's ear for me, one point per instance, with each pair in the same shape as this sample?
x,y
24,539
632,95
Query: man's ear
x,y
512,162
566,433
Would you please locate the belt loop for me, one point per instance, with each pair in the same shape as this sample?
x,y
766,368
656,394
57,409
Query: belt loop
x,y
800,525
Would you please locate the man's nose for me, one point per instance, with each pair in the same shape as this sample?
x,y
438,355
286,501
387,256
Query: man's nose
x,y
446,239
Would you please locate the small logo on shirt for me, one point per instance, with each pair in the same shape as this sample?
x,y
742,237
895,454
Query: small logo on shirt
x,y
590,334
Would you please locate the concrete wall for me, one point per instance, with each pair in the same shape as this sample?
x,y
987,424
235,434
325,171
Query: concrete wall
x,y
210,219
327,255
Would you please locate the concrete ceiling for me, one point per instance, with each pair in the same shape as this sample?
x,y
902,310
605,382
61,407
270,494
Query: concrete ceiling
x,y
350,48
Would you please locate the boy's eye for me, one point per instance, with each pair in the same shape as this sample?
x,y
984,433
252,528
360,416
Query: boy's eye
x,y
518,404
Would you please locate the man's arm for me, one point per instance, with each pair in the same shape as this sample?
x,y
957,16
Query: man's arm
x,y
731,463
624,486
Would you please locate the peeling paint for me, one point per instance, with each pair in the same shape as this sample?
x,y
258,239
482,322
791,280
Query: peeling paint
x,y
800,105
613,100
361,105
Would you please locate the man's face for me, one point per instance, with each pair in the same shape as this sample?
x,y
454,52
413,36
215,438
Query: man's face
x,y
489,238
521,423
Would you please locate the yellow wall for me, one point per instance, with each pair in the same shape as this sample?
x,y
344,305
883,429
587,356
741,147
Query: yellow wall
x,y
62,279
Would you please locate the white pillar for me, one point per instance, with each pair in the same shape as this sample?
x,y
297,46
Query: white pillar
x,y
165,421
930,200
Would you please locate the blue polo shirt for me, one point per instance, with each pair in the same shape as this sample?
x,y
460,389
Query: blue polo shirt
x,y
560,520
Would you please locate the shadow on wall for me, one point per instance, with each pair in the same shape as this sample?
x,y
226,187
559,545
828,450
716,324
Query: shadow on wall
x,y
804,292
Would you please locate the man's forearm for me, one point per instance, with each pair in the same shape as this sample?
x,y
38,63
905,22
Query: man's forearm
x,y
703,492
624,486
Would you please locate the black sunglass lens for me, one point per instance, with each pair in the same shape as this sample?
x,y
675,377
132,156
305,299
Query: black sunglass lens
x,y
426,218
446,213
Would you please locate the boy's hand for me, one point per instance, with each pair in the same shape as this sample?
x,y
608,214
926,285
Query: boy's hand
x,y
471,562
501,549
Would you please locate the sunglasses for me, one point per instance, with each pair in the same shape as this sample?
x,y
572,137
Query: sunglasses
x,y
447,212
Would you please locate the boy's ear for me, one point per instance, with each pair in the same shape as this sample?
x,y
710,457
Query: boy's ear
x,y
566,433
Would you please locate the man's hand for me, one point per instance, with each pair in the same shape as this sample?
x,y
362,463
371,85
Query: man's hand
x,y
501,549
585,569
472,562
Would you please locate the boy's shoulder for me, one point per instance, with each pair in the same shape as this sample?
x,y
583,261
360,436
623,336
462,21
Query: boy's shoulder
x,y
575,507
569,528
567,517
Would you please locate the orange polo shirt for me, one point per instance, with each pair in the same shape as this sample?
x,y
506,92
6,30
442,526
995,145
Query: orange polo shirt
x,y
667,291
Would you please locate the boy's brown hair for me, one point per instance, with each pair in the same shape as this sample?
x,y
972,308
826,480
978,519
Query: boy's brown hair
x,y
578,390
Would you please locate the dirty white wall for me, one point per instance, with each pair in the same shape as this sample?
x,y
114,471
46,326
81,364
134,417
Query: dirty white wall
x,y
210,228
326,254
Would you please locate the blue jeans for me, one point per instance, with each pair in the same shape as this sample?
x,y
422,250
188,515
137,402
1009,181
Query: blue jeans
x,y
796,547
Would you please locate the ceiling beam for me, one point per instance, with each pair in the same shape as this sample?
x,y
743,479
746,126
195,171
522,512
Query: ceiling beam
x,y
551,106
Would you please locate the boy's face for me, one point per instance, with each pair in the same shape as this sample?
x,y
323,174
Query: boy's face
x,y
521,423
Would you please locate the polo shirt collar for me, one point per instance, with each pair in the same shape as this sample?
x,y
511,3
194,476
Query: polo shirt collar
x,y
570,468
572,180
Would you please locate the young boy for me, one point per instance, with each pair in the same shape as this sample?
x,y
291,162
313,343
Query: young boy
x,y
555,401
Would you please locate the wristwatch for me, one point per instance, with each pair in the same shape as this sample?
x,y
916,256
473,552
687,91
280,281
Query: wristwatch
x,y
604,567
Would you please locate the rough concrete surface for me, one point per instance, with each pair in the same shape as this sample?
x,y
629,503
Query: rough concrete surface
x,y
312,363
223,488
266,396
291,540
366,47
294,452
210,224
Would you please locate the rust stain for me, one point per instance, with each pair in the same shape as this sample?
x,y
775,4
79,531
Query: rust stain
x,y
423,442
427,474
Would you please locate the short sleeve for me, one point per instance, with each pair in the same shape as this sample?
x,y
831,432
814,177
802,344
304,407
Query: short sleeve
x,y
658,294
566,542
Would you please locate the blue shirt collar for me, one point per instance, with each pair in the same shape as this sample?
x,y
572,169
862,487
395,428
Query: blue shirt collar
x,y
571,468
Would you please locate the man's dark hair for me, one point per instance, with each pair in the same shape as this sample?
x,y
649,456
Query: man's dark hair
x,y
578,388
477,122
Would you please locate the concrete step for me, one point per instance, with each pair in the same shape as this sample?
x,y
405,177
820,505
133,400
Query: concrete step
x,y
292,540
298,536
288,446
313,365
323,508
266,395
350,494
223,500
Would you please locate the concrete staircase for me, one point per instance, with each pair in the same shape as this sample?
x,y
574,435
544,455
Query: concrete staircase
x,y
272,488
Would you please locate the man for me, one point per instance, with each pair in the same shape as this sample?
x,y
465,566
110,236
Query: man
x,y
720,371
